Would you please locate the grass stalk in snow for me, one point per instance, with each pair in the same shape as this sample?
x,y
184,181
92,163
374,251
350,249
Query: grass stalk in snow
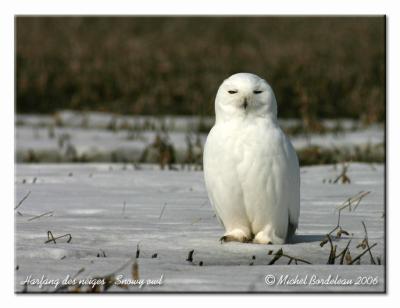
x,y
354,200
41,215
343,175
190,256
366,243
162,210
363,253
137,251
22,200
280,253
51,238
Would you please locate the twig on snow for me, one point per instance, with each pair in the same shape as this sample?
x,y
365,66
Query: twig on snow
x,y
41,215
51,238
22,200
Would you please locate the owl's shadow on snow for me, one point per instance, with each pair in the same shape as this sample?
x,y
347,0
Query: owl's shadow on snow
x,y
305,238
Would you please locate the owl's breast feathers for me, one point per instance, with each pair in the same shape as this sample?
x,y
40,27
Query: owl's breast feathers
x,y
257,139
238,146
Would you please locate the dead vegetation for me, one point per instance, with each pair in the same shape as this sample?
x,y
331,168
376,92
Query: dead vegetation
x,y
179,78
279,254
318,155
190,256
98,284
33,217
22,200
343,177
102,283
194,153
351,204
49,213
160,151
51,238
344,256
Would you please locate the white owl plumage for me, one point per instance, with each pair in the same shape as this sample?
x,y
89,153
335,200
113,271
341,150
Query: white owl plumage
x,y
251,169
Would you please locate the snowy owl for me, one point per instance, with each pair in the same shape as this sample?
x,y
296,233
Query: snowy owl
x,y
251,169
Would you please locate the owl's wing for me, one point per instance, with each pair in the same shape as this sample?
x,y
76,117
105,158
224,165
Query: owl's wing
x,y
209,156
223,186
294,178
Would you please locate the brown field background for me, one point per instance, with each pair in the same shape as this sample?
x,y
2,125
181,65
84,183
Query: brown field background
x,y
325,67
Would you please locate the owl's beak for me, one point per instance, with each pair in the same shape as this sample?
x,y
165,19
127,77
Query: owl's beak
x,y
245,104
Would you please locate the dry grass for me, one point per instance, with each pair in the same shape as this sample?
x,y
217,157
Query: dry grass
x,y
319,67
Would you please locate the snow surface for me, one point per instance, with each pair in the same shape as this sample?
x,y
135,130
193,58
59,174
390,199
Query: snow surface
x,y
105,137
109,209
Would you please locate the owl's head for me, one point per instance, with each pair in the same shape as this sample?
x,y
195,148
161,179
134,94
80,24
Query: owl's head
x,y
245,94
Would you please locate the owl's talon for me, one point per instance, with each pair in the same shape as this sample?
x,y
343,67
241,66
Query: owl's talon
x,y
227,238
232,238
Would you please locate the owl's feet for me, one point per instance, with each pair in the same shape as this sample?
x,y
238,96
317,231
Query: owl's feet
x,y
267,236
236,235
260,239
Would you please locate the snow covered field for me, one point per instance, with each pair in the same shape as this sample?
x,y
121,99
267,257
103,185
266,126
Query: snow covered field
x,y
97,137
115,212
